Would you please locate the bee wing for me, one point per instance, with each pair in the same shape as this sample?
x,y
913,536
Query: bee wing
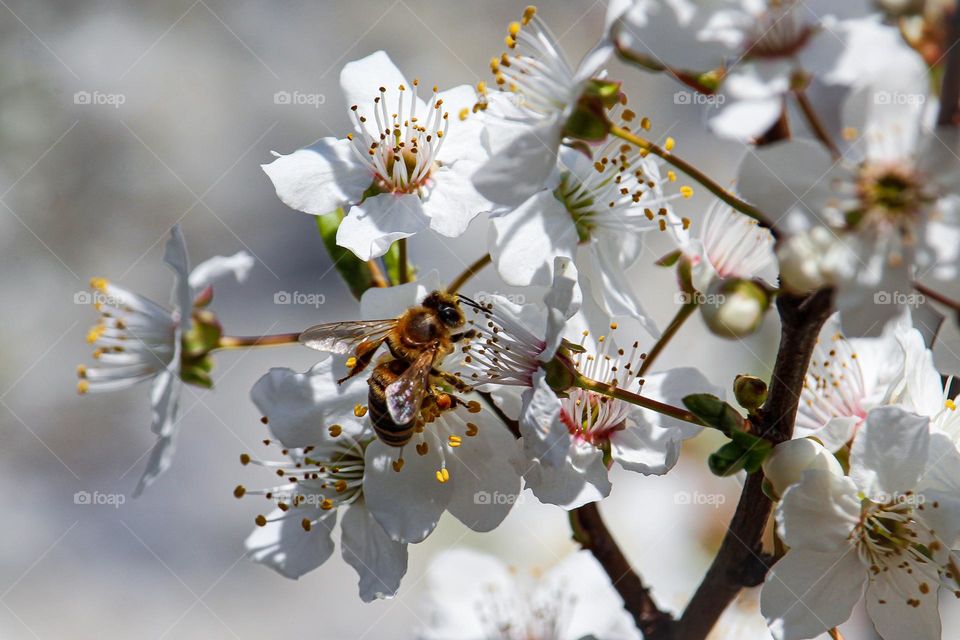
x,y
344,337
405,394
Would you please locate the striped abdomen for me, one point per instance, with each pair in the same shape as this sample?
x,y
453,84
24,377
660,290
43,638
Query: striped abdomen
x,y
389,432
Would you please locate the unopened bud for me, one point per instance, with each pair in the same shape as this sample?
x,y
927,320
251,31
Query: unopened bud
x,y
802,258
735,308
785,466
750,391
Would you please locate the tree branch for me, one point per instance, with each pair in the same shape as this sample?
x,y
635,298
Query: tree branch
x,y
741,554
950,86
592,534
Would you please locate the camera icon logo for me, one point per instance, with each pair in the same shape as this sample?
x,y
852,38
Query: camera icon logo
x,y
82,97
282,97
682,97
281,297
82,297
881,297
82,497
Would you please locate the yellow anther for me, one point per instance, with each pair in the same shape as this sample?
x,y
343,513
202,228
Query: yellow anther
x,y
335,430
494,64
645,124
528,14
340,486
454,441
613,326
482,88
472,429
240,491
261,521
100,284
669,144
672,175
510,42
464,113
686,191
397,465
442,475
663,224
82,370
474,407
850,133
628,115
513,29
359,411
244,459
686,223
351,362
306,524
94,334
951,405
327,504
82,387
97,353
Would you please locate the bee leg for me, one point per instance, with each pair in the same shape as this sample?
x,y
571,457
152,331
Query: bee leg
x,y
464,335
454,381
364,354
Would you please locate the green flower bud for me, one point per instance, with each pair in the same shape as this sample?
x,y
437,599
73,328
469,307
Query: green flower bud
x,y
734,308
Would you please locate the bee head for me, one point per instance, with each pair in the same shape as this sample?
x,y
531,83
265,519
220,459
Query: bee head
x,y
447,308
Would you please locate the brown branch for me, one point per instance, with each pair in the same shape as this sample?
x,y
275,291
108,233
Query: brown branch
x,y
741,556
592,534
950,85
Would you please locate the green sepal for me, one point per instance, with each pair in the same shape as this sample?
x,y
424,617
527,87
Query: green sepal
x,y
670,259
588,121
354,271
727,460
714,412
607,92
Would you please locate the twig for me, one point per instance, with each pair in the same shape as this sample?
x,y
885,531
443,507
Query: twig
x,y
403,267
801,319
512,425
592,534
816,123
376,275
685,312
468,273
950,86
614,391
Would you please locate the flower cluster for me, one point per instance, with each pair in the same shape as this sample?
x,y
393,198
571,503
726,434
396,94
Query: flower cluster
x,y
427,401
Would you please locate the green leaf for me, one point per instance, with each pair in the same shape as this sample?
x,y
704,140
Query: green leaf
x,y
727,460
354,271
714,412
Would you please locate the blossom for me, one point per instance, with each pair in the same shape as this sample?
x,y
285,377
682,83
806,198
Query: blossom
x,y
474,596
527,125
514,347
872,223
765,49
887,527
593,211
921,388
405,168
846,378
595,430
137,339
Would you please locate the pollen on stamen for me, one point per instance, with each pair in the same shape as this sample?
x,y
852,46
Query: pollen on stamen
x,y
686,191
261,520
335,430
669,144
359,411
442,475
244,459
82,387
239,491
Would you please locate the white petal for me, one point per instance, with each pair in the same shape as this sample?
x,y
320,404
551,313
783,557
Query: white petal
x,y
362,79
581,478
562,302
819,512
165,398
895,618
890,452
940,488
159,461
750,107
545,436
379,561
612,288
670,387
380,303
464,141
524,242
452,202
806,593
370,228
300,407
524,165
407,504
175,255
485,483
664,34
645,448
286,548
320,178
208,271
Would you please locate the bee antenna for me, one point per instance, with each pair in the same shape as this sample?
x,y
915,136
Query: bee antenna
x,y
469,302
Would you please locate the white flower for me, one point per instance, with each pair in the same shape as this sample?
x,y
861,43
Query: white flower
x,y
525,128
765,48
922,390
313,419
405,168
847,378
788,461
888,527
138,339
595,430
876,221
513,346
474,596
593,211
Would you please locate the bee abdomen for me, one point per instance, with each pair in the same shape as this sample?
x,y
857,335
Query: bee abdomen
x,y
389,432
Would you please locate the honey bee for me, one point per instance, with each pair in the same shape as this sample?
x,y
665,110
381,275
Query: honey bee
x,y
418,340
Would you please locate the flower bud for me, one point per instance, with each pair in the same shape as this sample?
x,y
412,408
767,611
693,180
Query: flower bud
x,y
785,466
734,308
750,391
802,259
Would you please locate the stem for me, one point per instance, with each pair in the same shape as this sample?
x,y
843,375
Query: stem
x,y
685,312
937,297
242,342
741,550
696,174
468,273
815,123
614,391
835,634
376,274
403,266
592,534
950,85
512,425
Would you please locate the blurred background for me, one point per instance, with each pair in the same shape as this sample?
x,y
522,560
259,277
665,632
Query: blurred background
x,y
119,119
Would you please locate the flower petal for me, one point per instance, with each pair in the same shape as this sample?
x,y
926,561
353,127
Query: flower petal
x,y
407,504
892,617
371,227
580,478
159,461
562,301
523,166
379,561
379,303
545,436
819,512
890,452
670,387
645,448
361,80
285,547
208,271
320,178
452,201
